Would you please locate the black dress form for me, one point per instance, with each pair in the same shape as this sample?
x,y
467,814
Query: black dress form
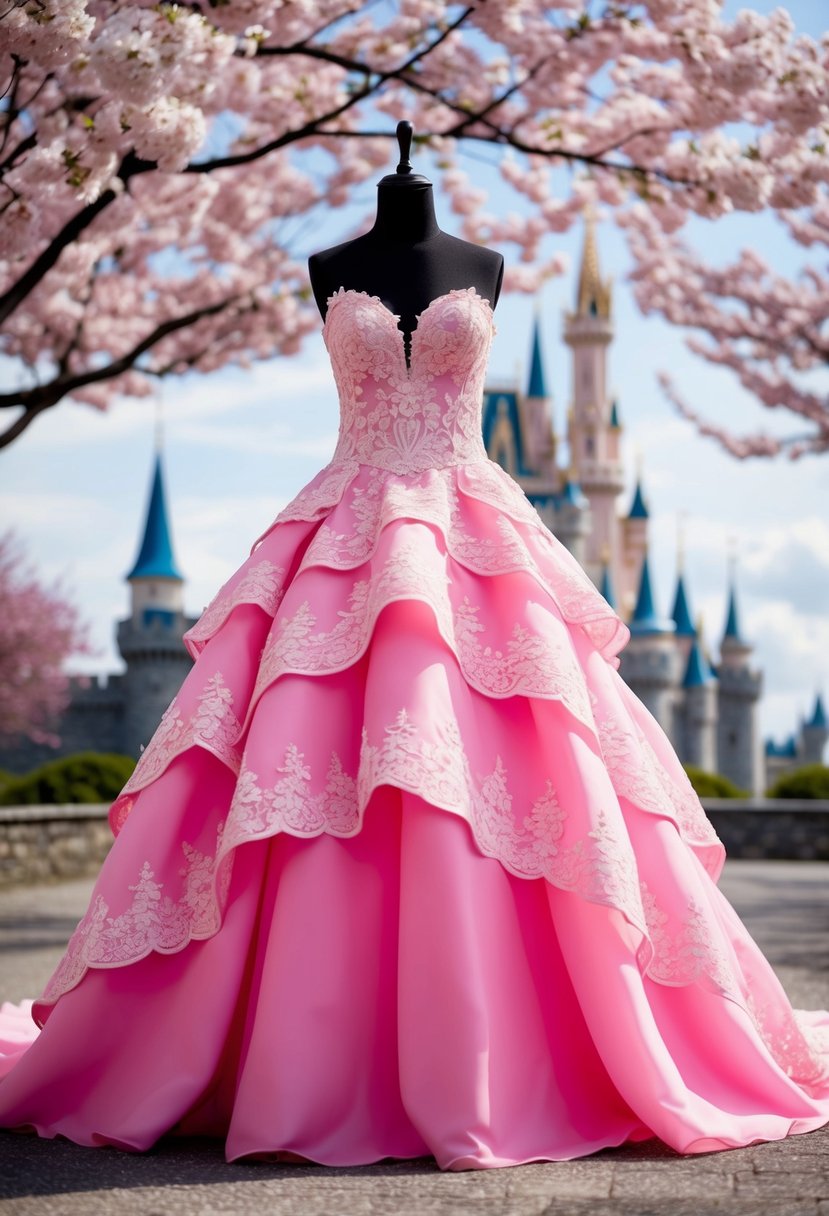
x,y
405,258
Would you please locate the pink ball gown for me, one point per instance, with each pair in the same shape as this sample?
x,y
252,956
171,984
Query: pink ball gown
x,y
407,868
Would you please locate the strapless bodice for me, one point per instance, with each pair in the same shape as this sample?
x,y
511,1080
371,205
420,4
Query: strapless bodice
x,y
403,418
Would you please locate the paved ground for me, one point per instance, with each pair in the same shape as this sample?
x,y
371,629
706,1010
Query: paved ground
x,y
785,905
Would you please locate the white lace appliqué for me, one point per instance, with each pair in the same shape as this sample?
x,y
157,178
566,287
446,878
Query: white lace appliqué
x,y
638,775
685,951
800,1050
262,583
213,726
290,805
153,921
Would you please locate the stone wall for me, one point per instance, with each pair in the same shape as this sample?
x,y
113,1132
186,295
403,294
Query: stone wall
x,y
39,843
771,827
42,843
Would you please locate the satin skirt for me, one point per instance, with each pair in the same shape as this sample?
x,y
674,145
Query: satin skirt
x,y
398,994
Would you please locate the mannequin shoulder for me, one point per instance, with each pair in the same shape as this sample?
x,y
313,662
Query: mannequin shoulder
x,y
484,265
329,267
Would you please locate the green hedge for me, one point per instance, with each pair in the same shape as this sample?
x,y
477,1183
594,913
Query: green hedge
x,y
811,781
84,777
712,785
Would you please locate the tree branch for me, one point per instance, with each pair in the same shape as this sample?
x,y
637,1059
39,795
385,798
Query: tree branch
x,y
43,397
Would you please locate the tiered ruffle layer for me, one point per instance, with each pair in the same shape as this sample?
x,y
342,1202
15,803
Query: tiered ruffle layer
x,y
425,872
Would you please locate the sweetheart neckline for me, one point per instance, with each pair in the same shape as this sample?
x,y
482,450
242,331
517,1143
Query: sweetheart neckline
x,y
453,291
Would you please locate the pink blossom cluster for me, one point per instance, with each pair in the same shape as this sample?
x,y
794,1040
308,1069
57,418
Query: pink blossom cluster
x,y
770,331
39,628
161,161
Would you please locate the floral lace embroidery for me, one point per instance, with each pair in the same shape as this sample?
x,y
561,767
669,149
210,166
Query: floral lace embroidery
x,y
261,584
322,492
290,804
213,726
796,1047
600,867
490,483
404,419
816,1039
530,665
638,775
688,954
153,921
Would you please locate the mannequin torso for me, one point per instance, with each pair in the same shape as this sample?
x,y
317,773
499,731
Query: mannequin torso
x,y
405,260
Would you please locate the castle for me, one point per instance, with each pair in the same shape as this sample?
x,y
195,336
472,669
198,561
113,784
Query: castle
x,y
120,712
709,712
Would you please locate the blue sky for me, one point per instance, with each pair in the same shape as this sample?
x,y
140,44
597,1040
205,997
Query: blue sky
x,y
240,443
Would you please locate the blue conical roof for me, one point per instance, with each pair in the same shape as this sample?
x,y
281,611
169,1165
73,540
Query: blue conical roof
x,y
732,627
606,587
638,509
680,612
818,717
614,415
645,618
538,385
573,493
697,670
788,748
155,557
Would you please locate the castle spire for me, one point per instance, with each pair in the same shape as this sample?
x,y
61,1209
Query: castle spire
x,y
818,718
732,624
697,669
681,612
593,299
645,617
606,587
537,386
155,557
813,734
732,628
638,509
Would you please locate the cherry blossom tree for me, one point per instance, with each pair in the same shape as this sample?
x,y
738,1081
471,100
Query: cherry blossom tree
x,y
161,163
39,629
772,332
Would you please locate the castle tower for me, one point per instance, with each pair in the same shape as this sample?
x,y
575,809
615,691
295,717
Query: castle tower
x,y
815,732
518,433
150,638
592,435
650,664
739,755
699,706
573,517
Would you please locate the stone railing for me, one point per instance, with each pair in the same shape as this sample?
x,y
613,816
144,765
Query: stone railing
x,y
43,843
